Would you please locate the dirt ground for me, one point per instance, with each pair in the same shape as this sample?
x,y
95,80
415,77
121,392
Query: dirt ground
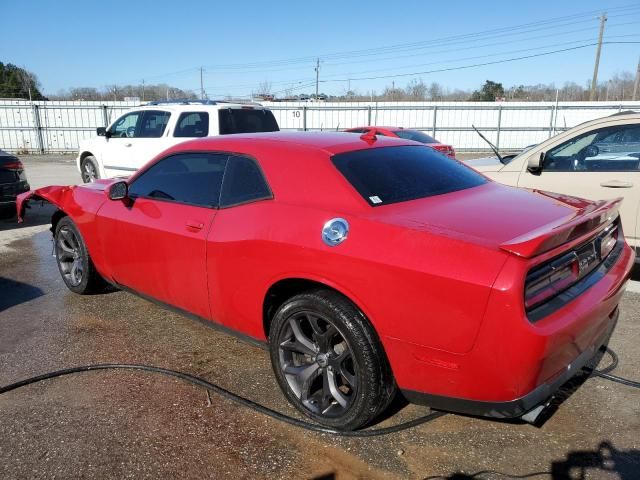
x,y
119,424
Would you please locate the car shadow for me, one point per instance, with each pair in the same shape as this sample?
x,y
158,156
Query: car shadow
x,y
15,293
577,465
37,213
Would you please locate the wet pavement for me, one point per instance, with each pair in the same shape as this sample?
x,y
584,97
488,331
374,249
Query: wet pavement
x,y
120,424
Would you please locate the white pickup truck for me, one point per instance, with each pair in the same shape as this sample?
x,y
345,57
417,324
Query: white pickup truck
x,y
140,134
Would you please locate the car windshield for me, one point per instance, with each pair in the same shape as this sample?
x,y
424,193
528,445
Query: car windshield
x,y
246,120
396,174
416,136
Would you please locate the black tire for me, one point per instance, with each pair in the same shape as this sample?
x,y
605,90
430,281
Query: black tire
x,y
89,169
74,263
331,365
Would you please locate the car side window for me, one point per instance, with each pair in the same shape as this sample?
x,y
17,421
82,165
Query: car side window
x,y
153,124
191,178
192,124
611,149
125,126
243,182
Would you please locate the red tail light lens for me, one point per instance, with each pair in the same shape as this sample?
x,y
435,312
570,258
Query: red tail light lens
x,y
13,165
551,279
446,149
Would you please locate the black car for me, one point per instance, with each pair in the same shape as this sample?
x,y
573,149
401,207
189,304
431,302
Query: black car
x,y
12,182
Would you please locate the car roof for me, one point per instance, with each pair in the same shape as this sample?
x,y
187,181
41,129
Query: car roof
x,y
381,127
328,142
296,164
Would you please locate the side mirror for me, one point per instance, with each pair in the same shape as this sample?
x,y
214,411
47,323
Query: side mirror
x,y
101,131
535,164
118,190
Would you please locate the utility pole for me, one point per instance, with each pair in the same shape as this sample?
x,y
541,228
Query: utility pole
x,y
637,83
143,89
317,76
594,82
201,84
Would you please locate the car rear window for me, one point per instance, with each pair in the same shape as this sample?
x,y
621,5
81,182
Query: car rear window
x,y
245,120
397,174
416,136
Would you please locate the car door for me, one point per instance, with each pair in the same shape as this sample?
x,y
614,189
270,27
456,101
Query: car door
x,y
133,145
157,236
117,142
601,163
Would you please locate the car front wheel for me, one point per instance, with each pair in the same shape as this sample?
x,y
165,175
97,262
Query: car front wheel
x,y
328,360
74,263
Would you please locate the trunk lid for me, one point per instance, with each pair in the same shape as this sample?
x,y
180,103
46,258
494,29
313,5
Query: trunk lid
x,y
522,222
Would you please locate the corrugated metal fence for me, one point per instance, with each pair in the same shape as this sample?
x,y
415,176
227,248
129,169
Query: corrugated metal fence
x,y
56,126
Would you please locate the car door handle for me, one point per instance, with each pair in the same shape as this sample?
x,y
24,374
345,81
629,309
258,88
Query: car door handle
x,y
616,184
194,225
127,144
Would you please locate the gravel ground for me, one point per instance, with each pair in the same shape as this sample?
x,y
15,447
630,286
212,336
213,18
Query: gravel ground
x,y
136,425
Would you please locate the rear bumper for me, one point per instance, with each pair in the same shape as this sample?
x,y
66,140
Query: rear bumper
x,y
520,406
515,364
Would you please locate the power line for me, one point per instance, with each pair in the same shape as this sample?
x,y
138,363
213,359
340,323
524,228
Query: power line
x,y
478,64
456,39
479,56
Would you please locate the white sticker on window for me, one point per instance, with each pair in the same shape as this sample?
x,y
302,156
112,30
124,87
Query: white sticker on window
x,y
375,199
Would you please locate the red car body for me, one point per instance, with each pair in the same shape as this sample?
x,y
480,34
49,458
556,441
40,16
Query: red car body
x,y
441,279
408,134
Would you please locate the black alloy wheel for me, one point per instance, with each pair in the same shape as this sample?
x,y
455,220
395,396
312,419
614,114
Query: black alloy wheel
x,y
329,361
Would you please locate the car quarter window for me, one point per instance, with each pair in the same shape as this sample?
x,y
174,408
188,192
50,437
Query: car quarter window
x,y
125,126
246,120
191,178
192,124
243,182
610,149
152,124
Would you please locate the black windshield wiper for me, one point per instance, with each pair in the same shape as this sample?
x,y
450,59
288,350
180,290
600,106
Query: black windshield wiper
x,y
493,147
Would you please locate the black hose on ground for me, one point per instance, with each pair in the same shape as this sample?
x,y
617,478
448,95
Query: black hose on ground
x,y
229,396
604,373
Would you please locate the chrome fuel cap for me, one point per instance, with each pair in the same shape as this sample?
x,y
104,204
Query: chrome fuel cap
x,y
335,231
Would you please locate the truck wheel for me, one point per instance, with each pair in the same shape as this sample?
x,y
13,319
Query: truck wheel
x,y
89,169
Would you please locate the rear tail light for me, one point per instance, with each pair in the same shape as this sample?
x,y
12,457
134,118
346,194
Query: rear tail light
x,y
13,165
548,281
446,149
608,240
552,278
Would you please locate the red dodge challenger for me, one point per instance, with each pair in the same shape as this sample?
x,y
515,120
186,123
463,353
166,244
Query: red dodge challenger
x,y
366,264
407,134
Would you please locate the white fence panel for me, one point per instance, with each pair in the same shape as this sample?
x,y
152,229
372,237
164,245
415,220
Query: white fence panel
x,y
59,126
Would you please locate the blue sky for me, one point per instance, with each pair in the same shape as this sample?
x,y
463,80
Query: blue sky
x,y
85,43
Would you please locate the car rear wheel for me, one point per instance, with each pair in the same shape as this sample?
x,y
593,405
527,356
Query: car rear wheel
x,y
89,169
74,262
328,360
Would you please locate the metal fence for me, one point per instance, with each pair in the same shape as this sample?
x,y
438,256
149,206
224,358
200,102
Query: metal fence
x,y
44,127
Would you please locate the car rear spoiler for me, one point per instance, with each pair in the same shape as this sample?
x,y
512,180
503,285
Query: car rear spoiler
x,y
589,216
